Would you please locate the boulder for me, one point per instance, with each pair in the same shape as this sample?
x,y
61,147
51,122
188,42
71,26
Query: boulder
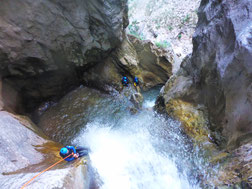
x,y
64,120
104,76
137,100
47,45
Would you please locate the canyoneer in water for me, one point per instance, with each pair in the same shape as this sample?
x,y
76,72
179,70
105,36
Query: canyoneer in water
x,y
77,152
125,81
136,81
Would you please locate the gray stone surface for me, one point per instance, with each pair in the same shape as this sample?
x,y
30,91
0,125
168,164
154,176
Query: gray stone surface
x,y
17,143
26,151
221,69
219,77
46,45
222,59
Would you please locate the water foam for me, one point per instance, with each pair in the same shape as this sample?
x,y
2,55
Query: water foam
x,y
127,156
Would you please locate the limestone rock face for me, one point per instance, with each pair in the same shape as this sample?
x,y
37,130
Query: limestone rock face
x,y
152,65
18,143
217,78
220,70
155,65
25,151
222,59
46,45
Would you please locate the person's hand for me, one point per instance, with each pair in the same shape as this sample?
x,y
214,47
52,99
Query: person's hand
x,y
76,155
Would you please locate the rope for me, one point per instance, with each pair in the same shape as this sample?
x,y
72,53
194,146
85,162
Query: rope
x,y
44,171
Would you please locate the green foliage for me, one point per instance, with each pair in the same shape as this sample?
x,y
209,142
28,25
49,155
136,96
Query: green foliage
x,y
141,37
170,28
134,28
163,44
158,26
179,36
186,19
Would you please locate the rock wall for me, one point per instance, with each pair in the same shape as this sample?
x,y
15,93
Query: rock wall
x,y
216,80
220,71
152,65
222,59
46,45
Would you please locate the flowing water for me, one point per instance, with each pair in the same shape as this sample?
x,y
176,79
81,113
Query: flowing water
x,y
141,151
127,151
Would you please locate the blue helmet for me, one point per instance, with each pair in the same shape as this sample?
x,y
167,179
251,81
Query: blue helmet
x,y
63,150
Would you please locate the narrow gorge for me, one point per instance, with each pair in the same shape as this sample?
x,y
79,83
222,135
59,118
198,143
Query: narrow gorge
x,y
187,124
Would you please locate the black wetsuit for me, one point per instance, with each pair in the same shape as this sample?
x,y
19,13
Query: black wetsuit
x,y
82,151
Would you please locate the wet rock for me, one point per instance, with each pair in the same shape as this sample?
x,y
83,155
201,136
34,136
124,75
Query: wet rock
x,y
192,116
26,151
46,46
18,142
237,168
72,175
64,120
133,111
137,100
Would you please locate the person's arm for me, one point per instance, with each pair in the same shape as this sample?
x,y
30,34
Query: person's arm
x,y
75,155
72,148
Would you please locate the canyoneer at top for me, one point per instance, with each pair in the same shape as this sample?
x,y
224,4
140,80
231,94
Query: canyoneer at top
x,y
125,81
136,81
76,152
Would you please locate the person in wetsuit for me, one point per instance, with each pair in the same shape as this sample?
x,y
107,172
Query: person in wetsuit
x,y
77,152
125,81
136,81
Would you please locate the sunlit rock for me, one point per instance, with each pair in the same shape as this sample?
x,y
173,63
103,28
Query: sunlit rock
x,y
167,23
152,65
27,151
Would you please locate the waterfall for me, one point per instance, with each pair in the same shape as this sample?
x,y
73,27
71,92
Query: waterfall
x,y
142,151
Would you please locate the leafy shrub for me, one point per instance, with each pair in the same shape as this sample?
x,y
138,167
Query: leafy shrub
x,y
163,44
